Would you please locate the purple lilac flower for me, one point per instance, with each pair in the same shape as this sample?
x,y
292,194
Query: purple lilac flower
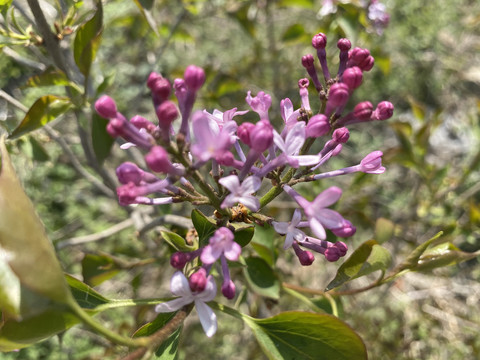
x,y
241,193
179,285
290,229
221,244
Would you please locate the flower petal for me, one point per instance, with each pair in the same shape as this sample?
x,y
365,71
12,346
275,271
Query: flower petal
x,y
250,202
251,184
288,241
210,254
210,291
179,285
295,138
233,252
207,317
281,227
230,182
297,217
317,228
330,218
172,305
327,197
306,160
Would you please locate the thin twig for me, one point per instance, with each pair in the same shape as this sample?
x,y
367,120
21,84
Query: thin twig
x,y
97,236
23,60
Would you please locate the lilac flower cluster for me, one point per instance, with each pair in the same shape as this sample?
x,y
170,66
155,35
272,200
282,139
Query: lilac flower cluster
x,y
213,159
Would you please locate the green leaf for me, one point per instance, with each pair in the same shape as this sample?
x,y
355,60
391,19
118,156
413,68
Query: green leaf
x,y
101,140
205,227
85,296
263,243
146,7
412,260
369,257
176,241
307,4
87,40
44,110
301,335
50,77
168,349
23,242
261,277
384,230
243,234
445,254
296,32
98,268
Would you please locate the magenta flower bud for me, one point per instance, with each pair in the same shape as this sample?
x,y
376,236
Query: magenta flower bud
x,y
319,41
106,107
346,230
129,172
332,254
225,159
383,111
178,260
198,280
228,289
157,160
261,138
338,94
318,125
305,257
372,163
363,111
344,44
361,58
307,61
127,194
353,77
342,248
194,77
243,132
159,86
341,135
166,112
115,127
141,123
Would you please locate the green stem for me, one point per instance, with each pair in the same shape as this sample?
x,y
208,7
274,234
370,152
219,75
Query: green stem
x,y
276,190
114,304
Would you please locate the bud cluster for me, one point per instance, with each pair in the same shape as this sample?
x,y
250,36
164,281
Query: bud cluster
x,y
216,159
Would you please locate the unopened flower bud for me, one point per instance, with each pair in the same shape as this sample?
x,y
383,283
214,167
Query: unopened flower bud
x,y
178,260
243,132
361,58
228,289
157,160
129,172
307,61
346,230
141,123
166,112
344,44
372,163
332,254
261,138
319,41
106,107
127,194
363,111
159,86
383,111
194,77
198,281
353,77
317,126
338,95
341,135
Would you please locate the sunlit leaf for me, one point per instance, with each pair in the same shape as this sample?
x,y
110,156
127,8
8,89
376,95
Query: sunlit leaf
x,y
445,254
301,335
412,260
85,296
205,227
369,257
261,277
176,241
44,110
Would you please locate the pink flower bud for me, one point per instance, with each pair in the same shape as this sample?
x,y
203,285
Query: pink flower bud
x,y
305,257
372,163
346,230
332,254
228,289
141,123
106,107
178,260
338,95
307,61
383,111
166,112
344,44
318,125
353,77
129,172
341,135
157,160
261,138
115,127
243,132
127,194
194,77
198,281
319,41
361,58
363,111
159,86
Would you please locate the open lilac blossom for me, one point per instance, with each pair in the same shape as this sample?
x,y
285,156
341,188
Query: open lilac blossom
x,y
260,103
241,193
179,285
370,164
221,244
290,229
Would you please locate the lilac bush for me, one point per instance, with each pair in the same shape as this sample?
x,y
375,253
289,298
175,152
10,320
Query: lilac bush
x,y
238,167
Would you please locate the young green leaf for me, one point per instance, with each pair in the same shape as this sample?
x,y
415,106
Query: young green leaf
x,y
102,142
44,110
176,241
205,227
261,277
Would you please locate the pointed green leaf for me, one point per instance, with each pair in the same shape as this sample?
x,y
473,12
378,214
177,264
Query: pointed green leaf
x,y
85,296
44,110
307,336
87,40
23,241
38,151
50,77
243,234
98,268
176,241
101,140
261,277
205,227
369,257
146,7
412,260
445,254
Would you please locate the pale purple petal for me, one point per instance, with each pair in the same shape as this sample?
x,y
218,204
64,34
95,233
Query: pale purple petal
x,y
210,254
297,217
278,141
330,218
250,202
317,228
327,197
172,305
299,235
229,201
233,251
210,291
295,138
288,241
230,182
306,160
281,227
207,317
179,285
251,184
